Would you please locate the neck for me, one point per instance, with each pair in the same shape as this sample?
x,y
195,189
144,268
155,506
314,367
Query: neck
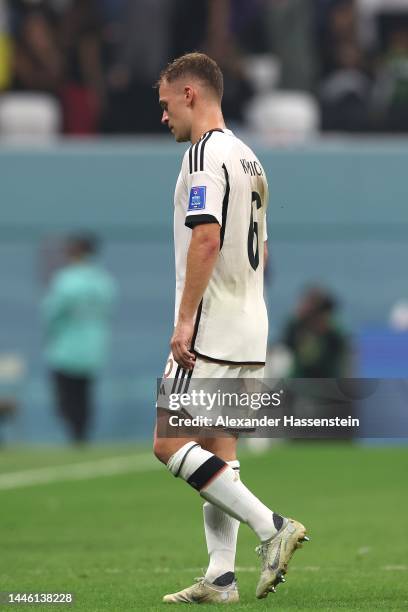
x,y
210,120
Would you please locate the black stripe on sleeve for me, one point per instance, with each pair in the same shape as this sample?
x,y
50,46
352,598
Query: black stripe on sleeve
x,y
193,164
206,472
225,203
190,160
196,157
193,220
207,136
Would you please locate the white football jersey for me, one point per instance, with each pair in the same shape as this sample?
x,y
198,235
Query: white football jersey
x,y
222,181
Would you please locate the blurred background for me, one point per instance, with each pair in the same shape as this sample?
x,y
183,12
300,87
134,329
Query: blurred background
x,y
319,88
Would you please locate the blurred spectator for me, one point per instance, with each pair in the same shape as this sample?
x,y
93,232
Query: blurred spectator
x,y
248,26
77,311
291,34
83,93
141,54
212,26
38,62
221,44
318,345
188,27
345,93
111,21
337,29
390,97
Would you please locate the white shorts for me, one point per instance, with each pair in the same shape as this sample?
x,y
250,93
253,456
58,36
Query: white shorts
x,y
177,381
204,368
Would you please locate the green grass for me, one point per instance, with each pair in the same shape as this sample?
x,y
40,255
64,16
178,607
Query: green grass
x,y
120,542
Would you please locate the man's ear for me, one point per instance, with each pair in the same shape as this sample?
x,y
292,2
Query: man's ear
x,y
189,94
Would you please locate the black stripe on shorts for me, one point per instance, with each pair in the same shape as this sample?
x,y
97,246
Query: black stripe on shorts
x,y
183,373
173,389
188,380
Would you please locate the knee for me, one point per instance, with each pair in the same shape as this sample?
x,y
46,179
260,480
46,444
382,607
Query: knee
x,y
161,450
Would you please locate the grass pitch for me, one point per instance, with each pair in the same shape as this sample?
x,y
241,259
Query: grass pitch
x,y
120,541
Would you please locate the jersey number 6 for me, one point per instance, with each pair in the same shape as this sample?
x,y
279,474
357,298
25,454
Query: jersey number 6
x,y
253,253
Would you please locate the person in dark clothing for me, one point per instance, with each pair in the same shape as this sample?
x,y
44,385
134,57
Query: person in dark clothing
x,y
318,345
83,90
74,400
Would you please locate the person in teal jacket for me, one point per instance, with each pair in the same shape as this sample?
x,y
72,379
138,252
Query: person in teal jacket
x,y
78,312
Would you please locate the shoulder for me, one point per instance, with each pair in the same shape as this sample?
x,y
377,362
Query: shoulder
x,y
62,277
106,280
61,283
210,152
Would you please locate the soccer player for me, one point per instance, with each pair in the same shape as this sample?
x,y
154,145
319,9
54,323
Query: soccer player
x,y
220,319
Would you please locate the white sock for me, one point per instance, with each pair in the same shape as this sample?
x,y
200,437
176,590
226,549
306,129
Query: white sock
x,y
217,483
221,533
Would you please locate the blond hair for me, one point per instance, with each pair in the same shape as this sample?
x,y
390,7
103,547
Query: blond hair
x,y
197,65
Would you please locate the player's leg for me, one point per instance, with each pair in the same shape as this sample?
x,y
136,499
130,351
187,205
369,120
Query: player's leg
x,y
219,584
217,483
221,529
204,469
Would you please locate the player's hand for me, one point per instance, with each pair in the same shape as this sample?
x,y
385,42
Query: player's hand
x,y
181,342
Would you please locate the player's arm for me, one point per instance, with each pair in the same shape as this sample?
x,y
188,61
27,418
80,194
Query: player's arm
x,y
205,177
201,257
